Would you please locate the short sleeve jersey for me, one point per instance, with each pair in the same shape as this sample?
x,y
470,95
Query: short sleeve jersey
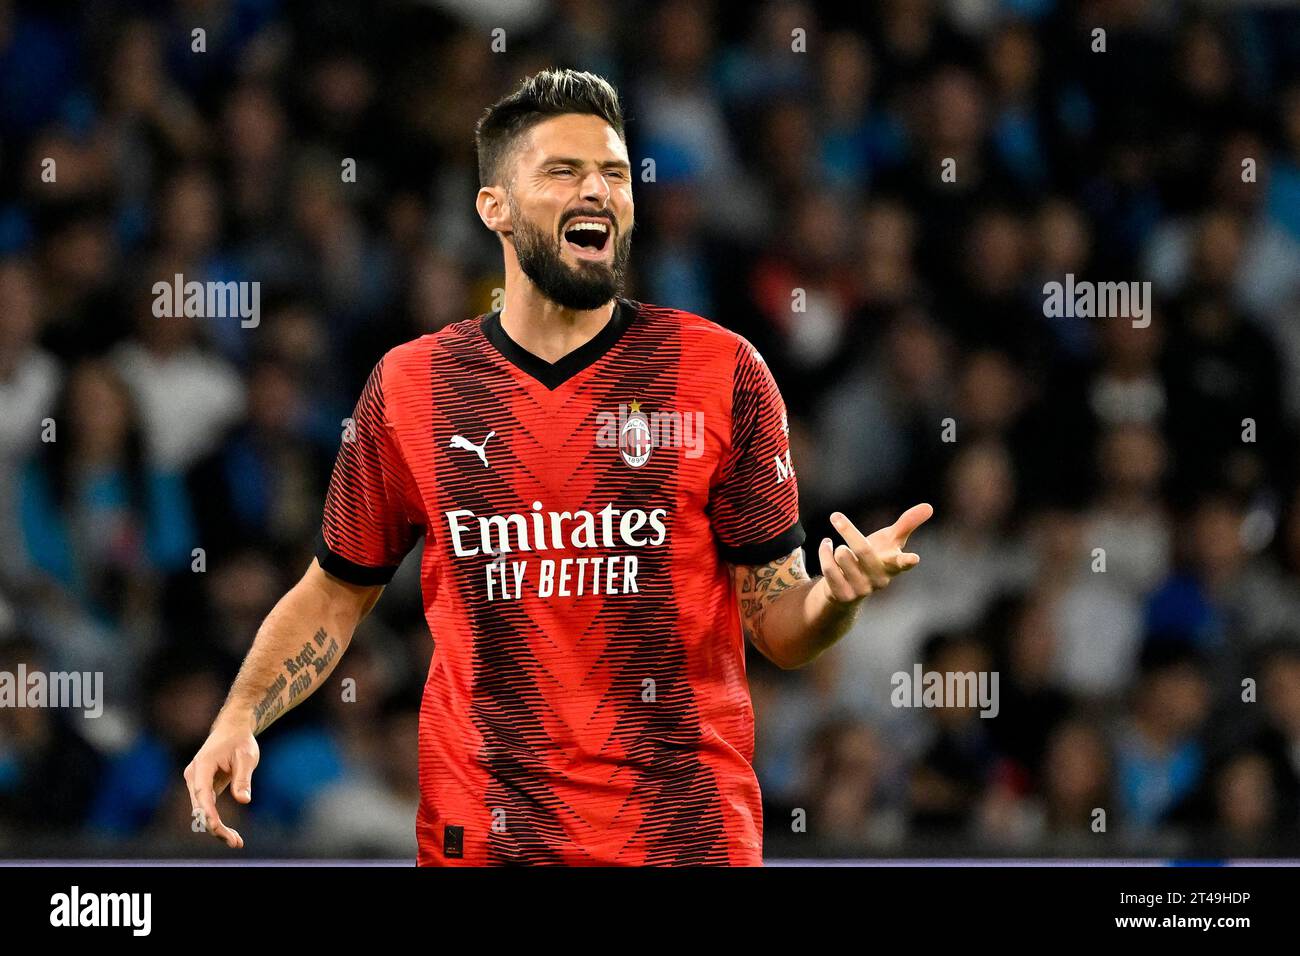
x,y
586,700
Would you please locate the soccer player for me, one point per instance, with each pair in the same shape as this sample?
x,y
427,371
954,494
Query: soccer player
x,y
609,509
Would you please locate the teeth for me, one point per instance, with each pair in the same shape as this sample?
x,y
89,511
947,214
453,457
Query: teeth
x,y
594,226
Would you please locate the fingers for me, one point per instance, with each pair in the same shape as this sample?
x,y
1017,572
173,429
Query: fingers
x,y
849,575
833,574
869,573
854,538
903,561
858,570
909,521
199,776
864,564
878,560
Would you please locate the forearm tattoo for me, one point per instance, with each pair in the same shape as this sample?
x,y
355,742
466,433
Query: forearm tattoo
x,y
760,584
301,672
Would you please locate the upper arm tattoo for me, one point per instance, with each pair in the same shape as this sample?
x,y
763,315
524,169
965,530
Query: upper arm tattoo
x,y
758,584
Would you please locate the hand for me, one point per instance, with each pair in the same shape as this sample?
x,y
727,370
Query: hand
x,y
229,754
867,563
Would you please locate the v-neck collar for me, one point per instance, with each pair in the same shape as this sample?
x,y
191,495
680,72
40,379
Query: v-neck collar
x,y
554,374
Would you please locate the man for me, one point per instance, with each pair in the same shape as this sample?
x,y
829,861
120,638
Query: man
x,y
597,482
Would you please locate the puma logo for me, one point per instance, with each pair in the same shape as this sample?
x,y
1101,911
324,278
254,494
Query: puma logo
x,y
460,441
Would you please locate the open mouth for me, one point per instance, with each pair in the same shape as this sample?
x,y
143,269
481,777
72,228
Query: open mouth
x,y
587,238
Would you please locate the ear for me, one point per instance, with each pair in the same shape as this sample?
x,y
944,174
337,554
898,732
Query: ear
x,y
494,210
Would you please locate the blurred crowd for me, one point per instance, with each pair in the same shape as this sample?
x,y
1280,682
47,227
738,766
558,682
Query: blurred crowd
x,y
1117,529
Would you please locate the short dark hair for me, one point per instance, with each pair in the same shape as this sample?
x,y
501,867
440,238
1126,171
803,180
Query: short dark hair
x,y
540,96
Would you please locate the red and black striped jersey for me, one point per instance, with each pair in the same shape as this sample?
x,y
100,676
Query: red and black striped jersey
x,y
586,700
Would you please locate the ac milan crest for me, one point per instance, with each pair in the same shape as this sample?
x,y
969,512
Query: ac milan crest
x,y
634,439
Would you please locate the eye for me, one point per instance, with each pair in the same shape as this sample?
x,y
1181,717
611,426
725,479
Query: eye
x,y
562,171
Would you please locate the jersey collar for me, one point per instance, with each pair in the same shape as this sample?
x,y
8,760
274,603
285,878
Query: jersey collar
x,y
554,374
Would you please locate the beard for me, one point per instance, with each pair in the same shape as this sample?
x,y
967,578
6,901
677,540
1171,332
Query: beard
x,y
587,286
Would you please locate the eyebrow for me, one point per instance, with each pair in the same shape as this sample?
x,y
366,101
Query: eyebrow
x,y
572,161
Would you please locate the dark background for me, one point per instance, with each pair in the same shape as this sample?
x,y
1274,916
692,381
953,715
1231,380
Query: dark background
x,y
774,171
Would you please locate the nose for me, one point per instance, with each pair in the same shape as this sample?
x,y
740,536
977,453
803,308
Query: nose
x,y
595,189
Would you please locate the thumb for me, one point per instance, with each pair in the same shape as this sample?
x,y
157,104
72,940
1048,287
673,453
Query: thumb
x,y
910,520
241,776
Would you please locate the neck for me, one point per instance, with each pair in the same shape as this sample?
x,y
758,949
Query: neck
x,y
542,327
